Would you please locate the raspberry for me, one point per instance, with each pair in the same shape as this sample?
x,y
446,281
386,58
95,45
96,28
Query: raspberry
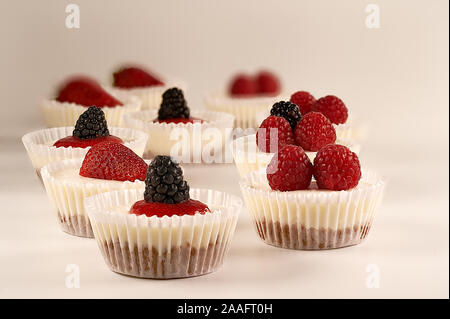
x,y
314,131
288,110
173,105
333,108
336,168
267,83
290,169
132,77
113,161
87,92
164,182
273,133
304,100
91,124
243,85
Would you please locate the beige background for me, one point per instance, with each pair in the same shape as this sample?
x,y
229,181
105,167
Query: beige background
x,y
395,79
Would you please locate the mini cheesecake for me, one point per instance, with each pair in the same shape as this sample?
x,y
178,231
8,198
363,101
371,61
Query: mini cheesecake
x,y
164,230
60,143
174,128
79,93
106,167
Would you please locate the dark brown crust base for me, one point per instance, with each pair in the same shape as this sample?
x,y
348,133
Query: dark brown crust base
x,y
290,236
76,225
179,262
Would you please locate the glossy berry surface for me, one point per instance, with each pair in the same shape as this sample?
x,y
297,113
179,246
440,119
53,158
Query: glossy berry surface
x,y
173,105
273,133
290,169
72,141
113,161
288,110
135,77
333,108
314,131
243,85
336,168
149,209
304,100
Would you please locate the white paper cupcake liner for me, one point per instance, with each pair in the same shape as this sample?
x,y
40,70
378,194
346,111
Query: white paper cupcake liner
x,y
150,97
59,114
67,196
163,247
185,142
312,219
244,109
40,149
248,158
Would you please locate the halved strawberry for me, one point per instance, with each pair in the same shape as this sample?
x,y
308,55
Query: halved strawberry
x,y
113,161
87,92
133,77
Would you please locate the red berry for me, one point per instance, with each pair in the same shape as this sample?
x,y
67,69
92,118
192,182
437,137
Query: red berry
x,y
314,131
304,100
149,209
267,83
113,161
333,108
87,92
132,77
336,168
273,133
73,141
243,85
290,169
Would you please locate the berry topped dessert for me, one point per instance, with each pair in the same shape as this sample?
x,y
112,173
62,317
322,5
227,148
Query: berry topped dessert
x,y
246,96
91,128
107,166
166,193
285,126
291,209
174,108
86,91
80,92
165,230
134,77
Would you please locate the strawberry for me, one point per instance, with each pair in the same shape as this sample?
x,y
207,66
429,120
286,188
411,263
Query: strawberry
x,y
113,161
87,92
133,77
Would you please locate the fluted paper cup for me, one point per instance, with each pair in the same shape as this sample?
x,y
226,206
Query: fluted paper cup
x,y
249,158
244,109
67,194
186,142
150,97
312,219
163,247
58,114
40,149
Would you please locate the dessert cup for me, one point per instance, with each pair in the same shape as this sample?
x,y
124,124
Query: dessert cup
x,y
243,108
163,247
150,97
67,190
58,114
249,158
186,142
312,218
40,149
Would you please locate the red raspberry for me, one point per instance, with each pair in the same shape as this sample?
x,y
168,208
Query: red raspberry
x,y
243,85
87,92
304,100
268,83
314,131
113,161
333,108
132,77
266,139
290,169
336,168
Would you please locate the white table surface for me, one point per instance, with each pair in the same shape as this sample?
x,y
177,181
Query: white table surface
x,y
408,243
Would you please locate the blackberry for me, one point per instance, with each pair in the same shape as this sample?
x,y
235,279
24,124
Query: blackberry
x,y
288,110
91,124
173,105
164,182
